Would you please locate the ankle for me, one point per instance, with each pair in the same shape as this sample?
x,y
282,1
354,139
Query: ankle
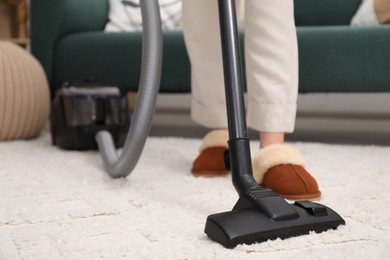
x,y
270,138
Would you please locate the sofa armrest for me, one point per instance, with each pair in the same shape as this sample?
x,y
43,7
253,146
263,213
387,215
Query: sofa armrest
x,y
51,20
324,12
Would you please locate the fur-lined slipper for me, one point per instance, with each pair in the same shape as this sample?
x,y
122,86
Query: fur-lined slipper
x,y
210,161
281,168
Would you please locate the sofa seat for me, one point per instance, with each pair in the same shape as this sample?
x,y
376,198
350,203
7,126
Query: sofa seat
x,y
115,58
344,59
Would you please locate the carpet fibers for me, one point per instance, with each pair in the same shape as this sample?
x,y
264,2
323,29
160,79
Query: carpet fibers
x,y
57,204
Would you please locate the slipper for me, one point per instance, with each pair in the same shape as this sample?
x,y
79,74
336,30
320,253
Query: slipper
x,y
280,167
210,161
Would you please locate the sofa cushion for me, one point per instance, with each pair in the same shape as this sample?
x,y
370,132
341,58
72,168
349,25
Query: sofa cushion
x,y
344,59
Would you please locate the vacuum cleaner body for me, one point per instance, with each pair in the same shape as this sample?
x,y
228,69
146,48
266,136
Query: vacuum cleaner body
x,y
79,112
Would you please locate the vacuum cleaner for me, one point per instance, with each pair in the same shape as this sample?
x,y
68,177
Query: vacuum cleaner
x,y
259,214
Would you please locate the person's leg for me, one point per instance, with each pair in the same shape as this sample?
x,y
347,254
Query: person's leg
x,y
208,105
270,138
278,89
271,54
201,34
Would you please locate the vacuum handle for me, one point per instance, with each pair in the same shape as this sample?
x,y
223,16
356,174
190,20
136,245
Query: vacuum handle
x,y
239,151
232,67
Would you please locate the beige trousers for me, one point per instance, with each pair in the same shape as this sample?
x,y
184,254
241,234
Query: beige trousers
x,y
271,60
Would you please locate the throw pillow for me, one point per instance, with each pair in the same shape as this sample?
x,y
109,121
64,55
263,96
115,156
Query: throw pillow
x,y
371,13
125,15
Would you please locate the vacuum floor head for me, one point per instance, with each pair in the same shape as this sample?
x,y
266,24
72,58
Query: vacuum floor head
x,y
250,225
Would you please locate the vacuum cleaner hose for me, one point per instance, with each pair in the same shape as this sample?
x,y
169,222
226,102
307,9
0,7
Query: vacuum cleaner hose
x,y
148,90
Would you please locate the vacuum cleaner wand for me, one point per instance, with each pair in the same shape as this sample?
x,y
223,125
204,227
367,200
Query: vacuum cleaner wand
x,y
260,214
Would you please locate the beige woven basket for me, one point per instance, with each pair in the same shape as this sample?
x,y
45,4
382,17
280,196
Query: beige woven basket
x,y
24,94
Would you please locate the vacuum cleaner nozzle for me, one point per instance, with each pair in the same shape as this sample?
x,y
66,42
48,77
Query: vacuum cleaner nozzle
x,y
249,224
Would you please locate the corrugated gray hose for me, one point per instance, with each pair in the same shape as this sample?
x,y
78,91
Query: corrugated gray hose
x,y
148,89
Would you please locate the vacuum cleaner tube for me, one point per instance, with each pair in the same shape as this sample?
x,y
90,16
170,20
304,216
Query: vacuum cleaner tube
x,y
78,113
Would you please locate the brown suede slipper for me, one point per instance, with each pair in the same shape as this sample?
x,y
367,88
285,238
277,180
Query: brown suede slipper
x,y
281,168
210,161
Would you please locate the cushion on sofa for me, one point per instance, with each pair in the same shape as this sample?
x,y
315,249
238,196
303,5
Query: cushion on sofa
x,y
125,15
372,13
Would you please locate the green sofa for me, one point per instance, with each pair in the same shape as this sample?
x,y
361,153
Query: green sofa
x,y
67,37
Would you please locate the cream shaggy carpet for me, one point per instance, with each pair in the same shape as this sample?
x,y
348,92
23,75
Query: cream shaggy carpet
x,y
58,204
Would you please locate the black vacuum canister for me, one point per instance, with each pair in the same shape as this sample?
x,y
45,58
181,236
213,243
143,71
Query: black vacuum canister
x,y
78,113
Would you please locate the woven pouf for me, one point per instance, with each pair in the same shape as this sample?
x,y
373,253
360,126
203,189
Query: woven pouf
x,y
24,94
